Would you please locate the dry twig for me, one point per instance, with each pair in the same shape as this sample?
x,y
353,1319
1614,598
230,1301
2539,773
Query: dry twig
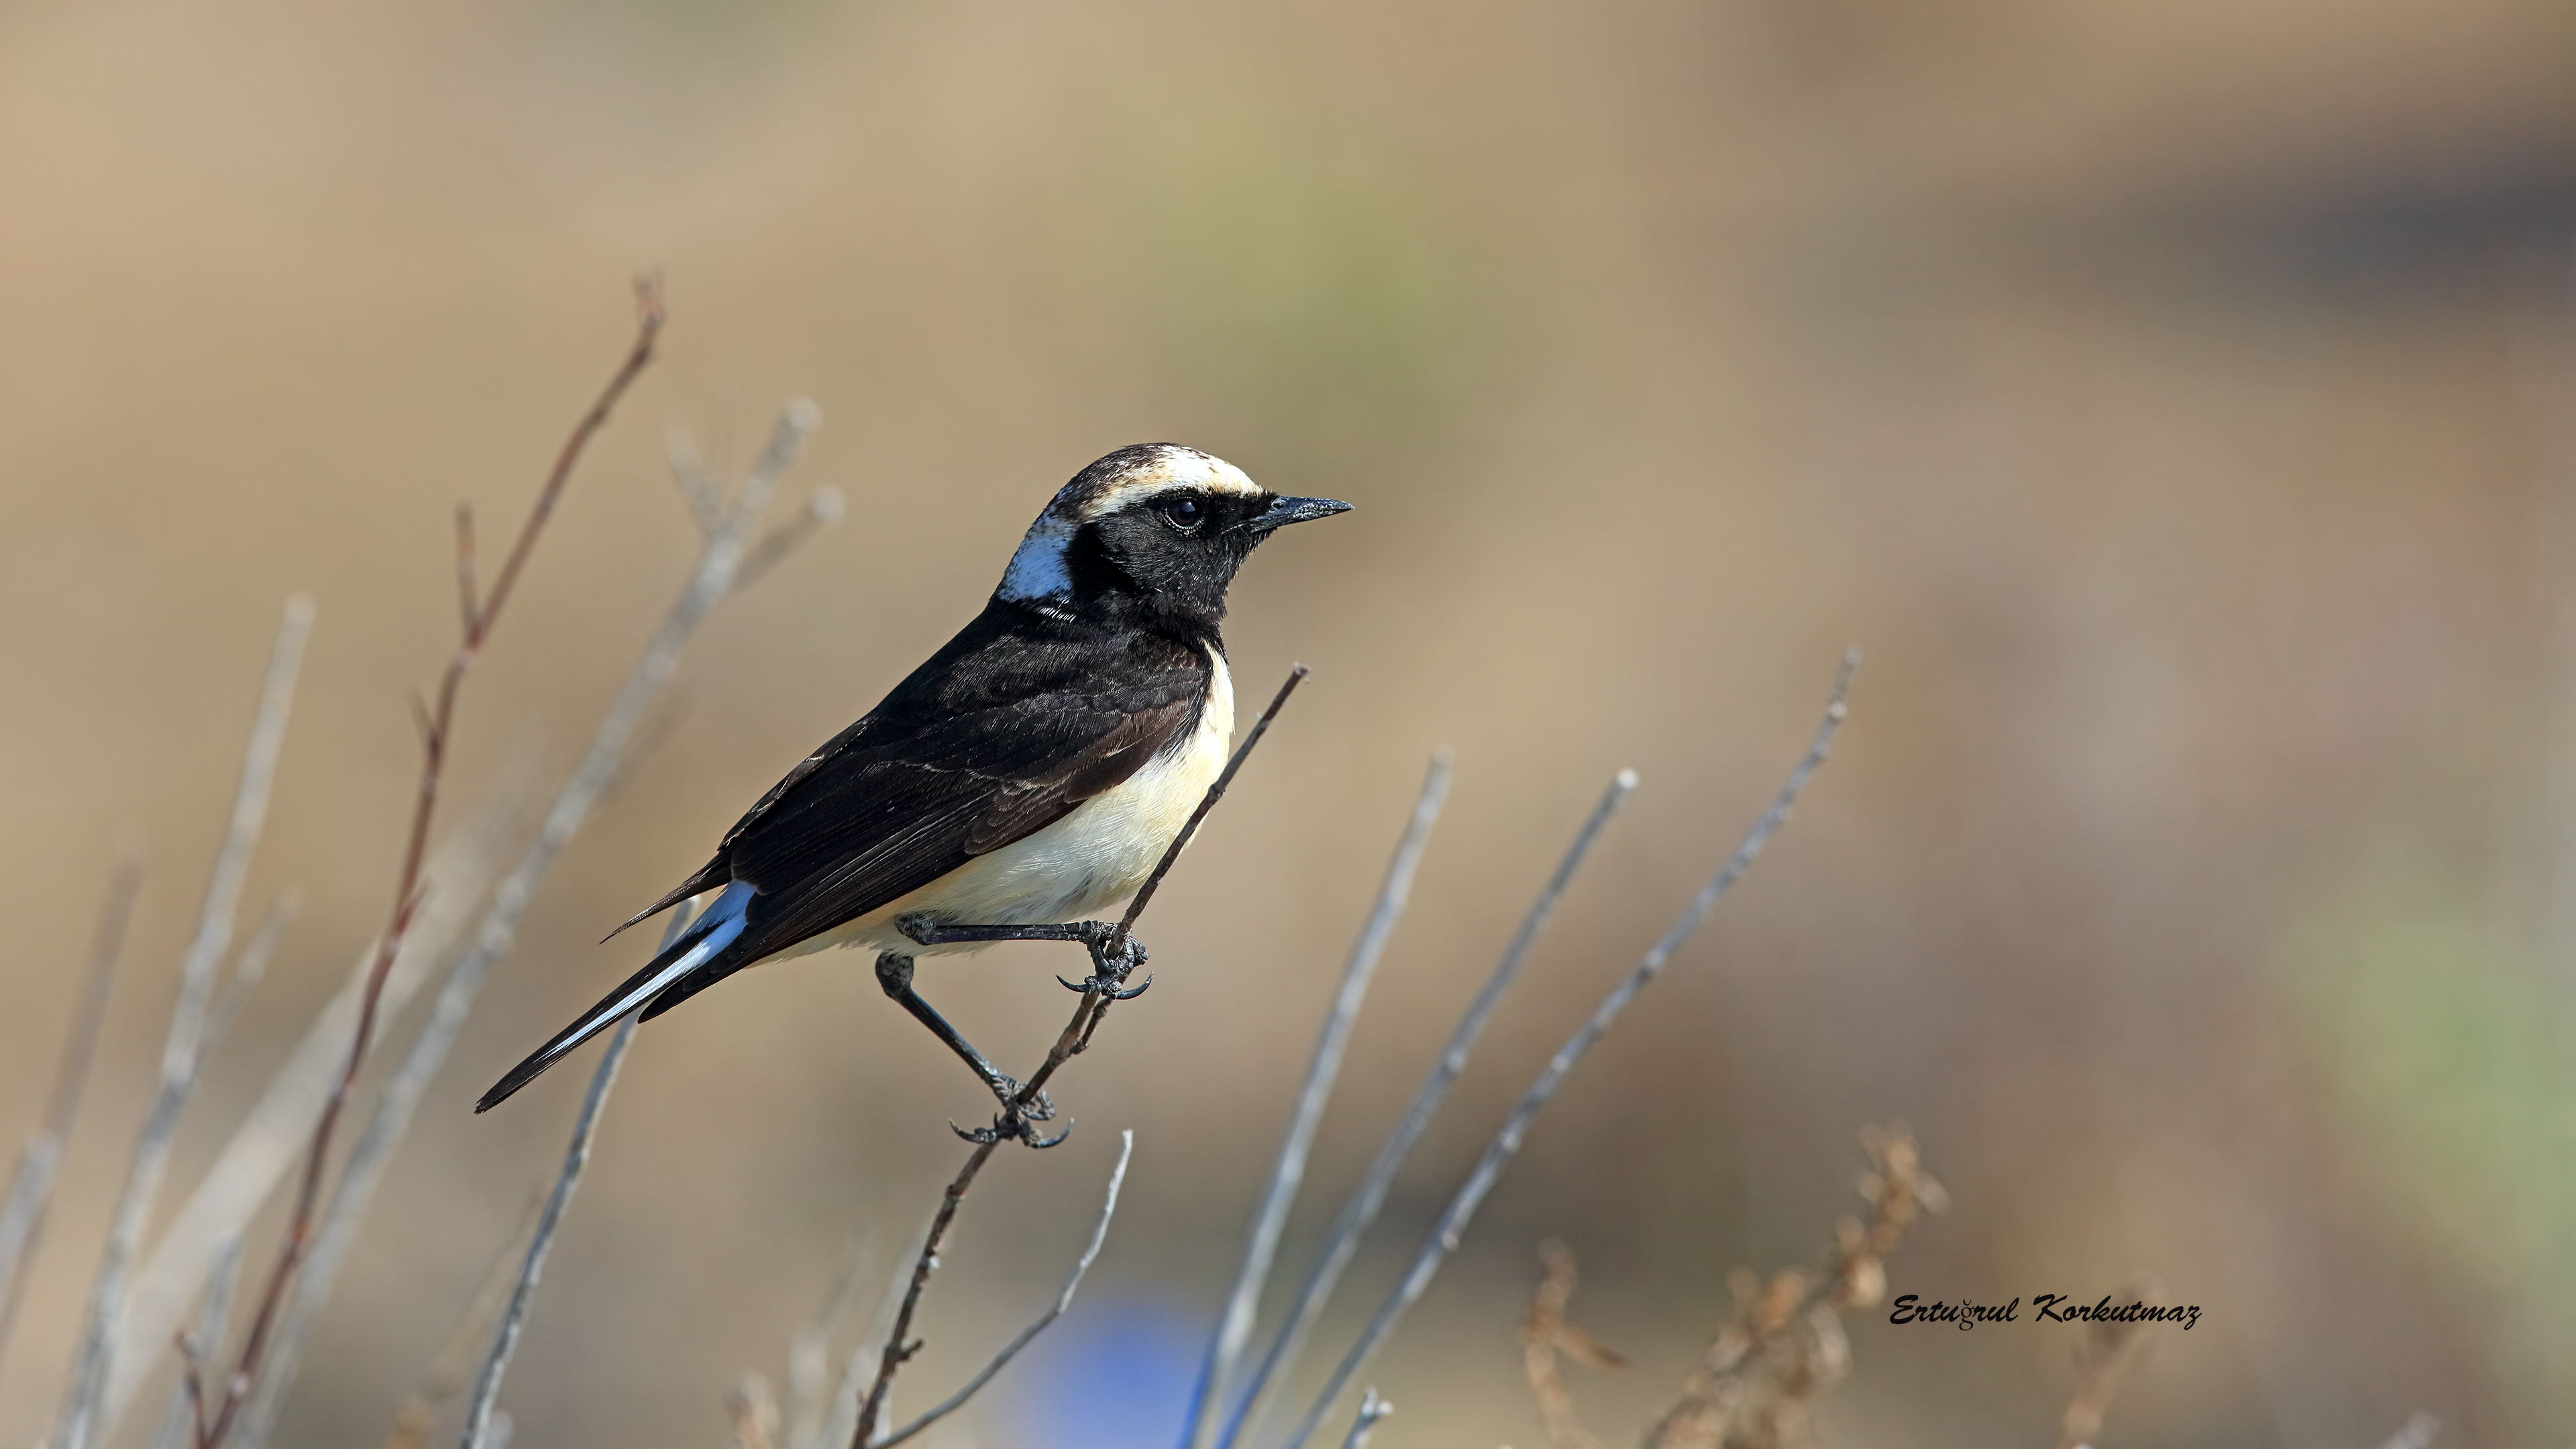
x,y
1342,1240
1372,1409
417,1414
1545,1333
1113,956
2108,1349
585,1131
1506,1144
479,617
715,579
1288,1170
31,1187
182,1051
1755,1387
1063,1301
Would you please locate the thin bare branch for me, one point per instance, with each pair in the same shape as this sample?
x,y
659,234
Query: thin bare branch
x,y
649,316
1342,1240
809,1353
820,512
1288,1170
418,1411
181,1424
265,1144
181,1052
1063,1301
411,1080
469,611
585,1131
698,487
1506,1144
251,964
31,1187
1372,1409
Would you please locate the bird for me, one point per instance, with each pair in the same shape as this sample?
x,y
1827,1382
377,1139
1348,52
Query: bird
x,y
1031,772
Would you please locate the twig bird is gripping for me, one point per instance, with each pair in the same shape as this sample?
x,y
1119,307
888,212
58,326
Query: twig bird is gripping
x,y
1025,777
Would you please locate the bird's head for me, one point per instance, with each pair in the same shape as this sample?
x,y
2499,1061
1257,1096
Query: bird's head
x,y
1155,529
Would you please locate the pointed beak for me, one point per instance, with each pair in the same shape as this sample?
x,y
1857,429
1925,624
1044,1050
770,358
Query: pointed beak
x,y
1285,511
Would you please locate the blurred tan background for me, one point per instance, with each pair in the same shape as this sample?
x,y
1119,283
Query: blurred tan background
x,y
2172,398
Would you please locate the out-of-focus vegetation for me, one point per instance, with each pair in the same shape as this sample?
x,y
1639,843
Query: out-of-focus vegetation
x,y
2174,399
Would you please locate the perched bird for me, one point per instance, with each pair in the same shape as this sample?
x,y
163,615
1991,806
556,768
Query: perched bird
x,y
1031,772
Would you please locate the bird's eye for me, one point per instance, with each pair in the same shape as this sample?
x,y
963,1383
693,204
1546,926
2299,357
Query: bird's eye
x,y
1183,514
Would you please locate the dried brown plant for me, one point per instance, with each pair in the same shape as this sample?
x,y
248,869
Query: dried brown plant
x,y
1757,1385
1545,1333
2105,1354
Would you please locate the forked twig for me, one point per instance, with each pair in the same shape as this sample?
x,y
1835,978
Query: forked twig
x,y
1112,957
1063,1301
1506,1144
1288,1171
714,580
1372,1409
181,1054
31,1187
480,618
585,1131
1342,1240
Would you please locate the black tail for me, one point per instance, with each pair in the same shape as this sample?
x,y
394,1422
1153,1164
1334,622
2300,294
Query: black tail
x,y
686,950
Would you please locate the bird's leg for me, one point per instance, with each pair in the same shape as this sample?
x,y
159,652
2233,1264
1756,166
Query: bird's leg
x,y
1113,957
894,973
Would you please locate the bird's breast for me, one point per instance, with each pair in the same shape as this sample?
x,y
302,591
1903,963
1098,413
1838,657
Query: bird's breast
x,y
1074,869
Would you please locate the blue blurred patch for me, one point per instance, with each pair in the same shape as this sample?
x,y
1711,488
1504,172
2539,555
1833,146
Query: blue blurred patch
x,y
1113,1374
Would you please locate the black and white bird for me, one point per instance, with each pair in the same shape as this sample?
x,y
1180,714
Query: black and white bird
x,y
1031,772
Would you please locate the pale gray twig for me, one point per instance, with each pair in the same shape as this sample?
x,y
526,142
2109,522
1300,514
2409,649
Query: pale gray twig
x,y
1372,1409
31,1187
181,1055
179,1424
267,1140
821,511
1499,1153
585,1130
492,939
1234,1328
843,1425
1063,1301
251,964
698,486
1343,1238
809,1366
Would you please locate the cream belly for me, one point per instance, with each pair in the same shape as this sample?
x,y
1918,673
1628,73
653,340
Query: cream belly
x,y
1073,870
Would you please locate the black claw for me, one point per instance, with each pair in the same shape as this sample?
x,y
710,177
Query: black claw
x,y
1080,987
1030,1137
1132,992
980,1136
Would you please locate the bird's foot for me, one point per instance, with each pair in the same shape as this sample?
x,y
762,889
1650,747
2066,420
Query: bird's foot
x,y
1015,1124
1108,986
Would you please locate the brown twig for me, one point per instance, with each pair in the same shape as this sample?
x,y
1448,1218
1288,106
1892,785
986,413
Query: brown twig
x,y
1112,957
479,622
1545,1334
2106,1353
1757,1384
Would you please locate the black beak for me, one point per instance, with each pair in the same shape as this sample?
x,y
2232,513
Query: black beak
x,y
1285,511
